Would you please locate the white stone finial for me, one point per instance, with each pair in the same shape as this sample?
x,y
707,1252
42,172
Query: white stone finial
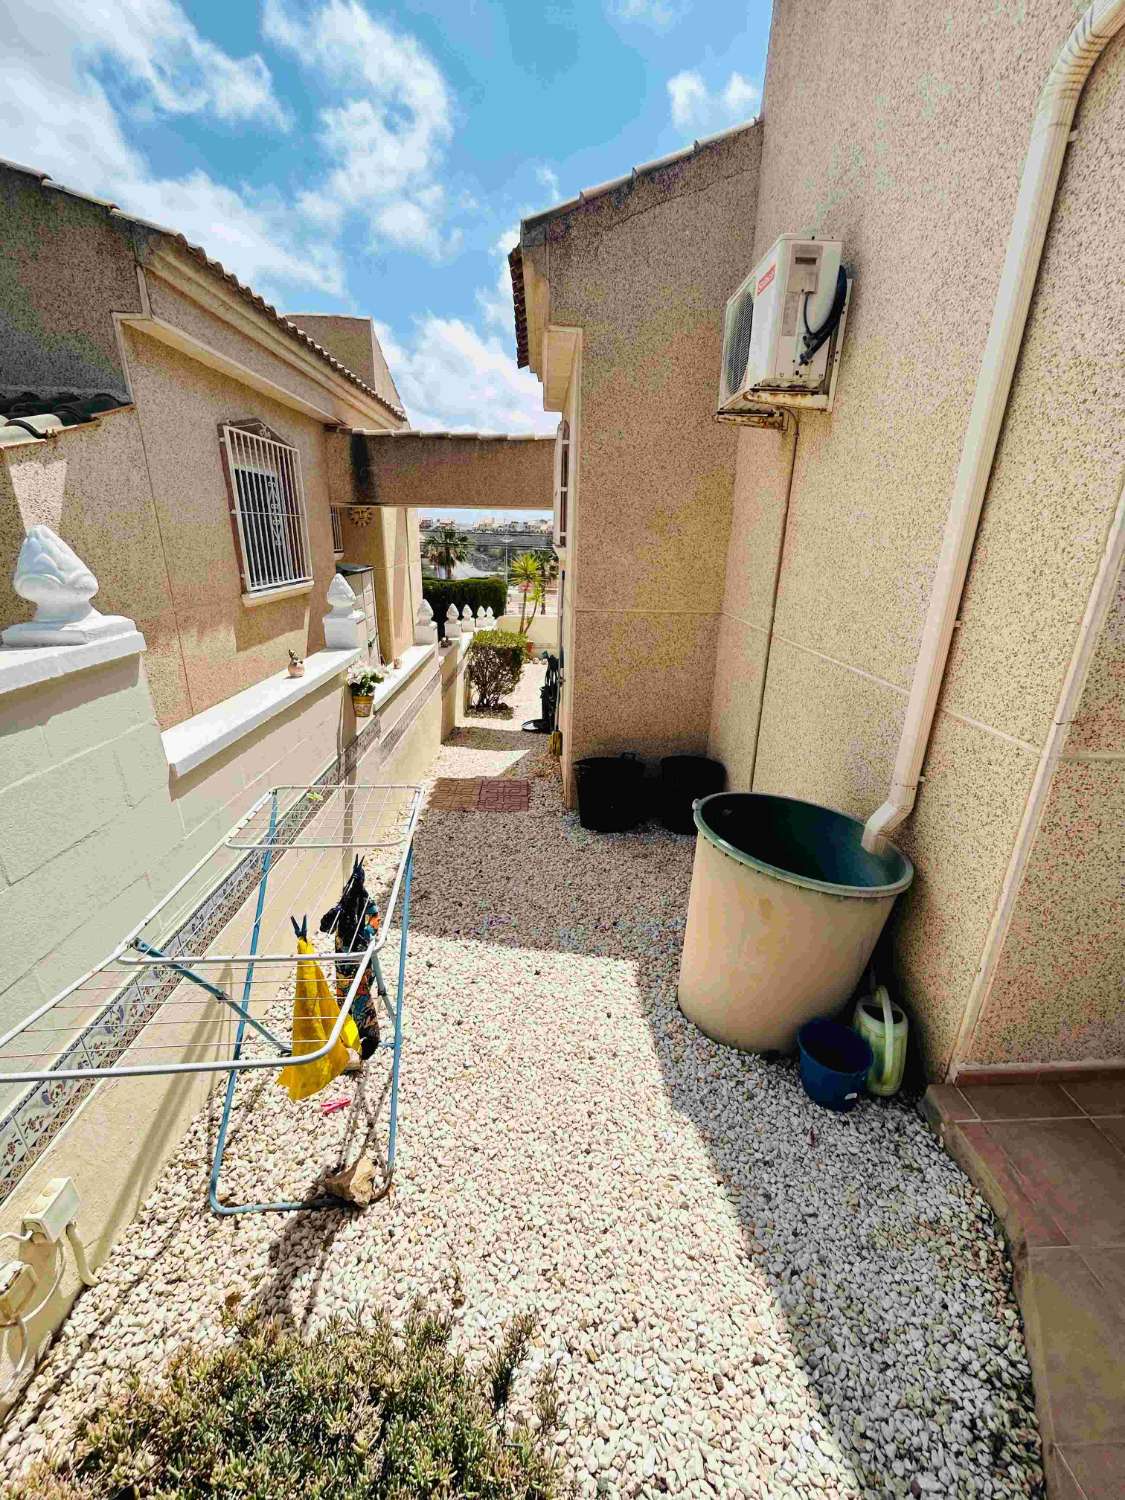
x,y
466,621
425,631
452,623
490,617
481,617
344,622
52,576
341,595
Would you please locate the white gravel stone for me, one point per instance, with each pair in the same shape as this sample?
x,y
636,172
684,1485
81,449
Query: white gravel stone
x,y
740,1293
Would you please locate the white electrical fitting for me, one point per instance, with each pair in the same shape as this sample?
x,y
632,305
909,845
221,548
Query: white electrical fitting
x,y
51,1219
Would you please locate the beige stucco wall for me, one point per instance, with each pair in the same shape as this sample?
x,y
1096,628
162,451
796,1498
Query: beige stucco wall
x,y
644,272
226,645
91,485
64,264
93,830
433,472
141,496
387,541
1058,988
914,164
354,343
140,493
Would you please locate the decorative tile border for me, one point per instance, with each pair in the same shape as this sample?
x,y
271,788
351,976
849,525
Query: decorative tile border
x,y
32,1122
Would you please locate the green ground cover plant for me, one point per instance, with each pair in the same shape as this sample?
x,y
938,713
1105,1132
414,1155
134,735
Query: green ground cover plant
x,y
349,1412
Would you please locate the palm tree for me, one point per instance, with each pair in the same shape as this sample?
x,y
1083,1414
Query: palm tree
x,y
524,572
444,547
548,561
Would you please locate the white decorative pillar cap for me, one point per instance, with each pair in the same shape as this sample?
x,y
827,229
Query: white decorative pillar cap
x,y
52,576
343,624
425,631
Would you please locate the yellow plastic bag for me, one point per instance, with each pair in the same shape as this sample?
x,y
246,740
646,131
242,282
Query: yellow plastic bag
x,y
314,1014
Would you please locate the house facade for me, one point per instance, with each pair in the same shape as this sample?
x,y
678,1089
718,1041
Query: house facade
x,y
199,460
760,594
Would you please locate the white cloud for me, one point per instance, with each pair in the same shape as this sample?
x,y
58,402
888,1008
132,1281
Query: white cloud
x,y
658,13
697,108
56,116
549,178
388,134
156,54
495,302
450,377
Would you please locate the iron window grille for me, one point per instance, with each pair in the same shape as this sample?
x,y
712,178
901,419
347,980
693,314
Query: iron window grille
x,y
337,532
268,506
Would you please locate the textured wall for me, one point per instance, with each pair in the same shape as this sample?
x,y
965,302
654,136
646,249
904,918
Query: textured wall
x,y
65,266
1058,991
91,485
85,816
644,271
225,645
431,472
353,342
921,125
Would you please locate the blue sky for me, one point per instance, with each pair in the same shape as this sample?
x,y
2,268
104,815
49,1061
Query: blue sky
x,y
373,157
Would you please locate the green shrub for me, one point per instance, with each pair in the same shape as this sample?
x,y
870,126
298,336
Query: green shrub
x,y
350,1412
475,592
495,664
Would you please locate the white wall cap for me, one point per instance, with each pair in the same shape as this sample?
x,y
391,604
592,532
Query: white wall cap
x,y
24,666
197,739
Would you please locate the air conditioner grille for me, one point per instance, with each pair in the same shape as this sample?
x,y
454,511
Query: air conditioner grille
x,y
737,341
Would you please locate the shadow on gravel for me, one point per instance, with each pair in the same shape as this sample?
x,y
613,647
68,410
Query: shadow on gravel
x,y
889,1277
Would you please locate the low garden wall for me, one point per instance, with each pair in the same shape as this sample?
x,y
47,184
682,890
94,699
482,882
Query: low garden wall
x,y
100,816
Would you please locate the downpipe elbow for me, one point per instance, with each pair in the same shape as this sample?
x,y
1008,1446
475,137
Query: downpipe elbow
x,y
885,819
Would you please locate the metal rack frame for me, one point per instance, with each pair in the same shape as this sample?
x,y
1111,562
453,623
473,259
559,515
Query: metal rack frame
x,y
286,811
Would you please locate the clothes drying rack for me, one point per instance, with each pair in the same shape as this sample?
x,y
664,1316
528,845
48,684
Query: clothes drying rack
x,y
204,982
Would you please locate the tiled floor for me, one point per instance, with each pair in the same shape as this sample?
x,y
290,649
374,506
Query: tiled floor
x,y
1050,1158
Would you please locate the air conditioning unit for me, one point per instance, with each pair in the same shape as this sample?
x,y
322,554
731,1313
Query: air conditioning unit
x,y
783,331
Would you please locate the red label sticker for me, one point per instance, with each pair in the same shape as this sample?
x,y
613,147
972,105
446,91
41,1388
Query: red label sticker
x,y
766,279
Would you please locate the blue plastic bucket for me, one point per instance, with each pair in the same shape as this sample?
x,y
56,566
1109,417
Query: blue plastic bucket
x,y
835,1062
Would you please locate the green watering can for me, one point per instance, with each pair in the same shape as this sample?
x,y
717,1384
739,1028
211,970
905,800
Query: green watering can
x,y
883,1025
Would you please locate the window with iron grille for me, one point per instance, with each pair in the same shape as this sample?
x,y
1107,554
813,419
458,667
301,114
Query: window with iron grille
x,y
268,504
337,532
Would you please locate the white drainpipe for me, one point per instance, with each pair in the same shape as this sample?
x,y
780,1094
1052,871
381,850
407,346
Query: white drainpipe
x,y
1042,169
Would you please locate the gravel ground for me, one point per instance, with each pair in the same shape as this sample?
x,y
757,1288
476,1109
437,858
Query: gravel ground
x,y
741,1294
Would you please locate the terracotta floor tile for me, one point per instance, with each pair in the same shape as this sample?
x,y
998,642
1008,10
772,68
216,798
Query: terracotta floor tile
x,y
1019,1101
950,1102
1069,1168
1024,1220
1081,1348
1104,1096
1112,1126
1099,1469
1061,1483
1108,1267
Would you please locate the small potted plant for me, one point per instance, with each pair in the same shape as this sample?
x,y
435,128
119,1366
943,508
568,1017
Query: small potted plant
x,y
296,666
363,679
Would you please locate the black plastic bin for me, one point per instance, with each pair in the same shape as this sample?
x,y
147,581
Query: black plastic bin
x,y
683,778
610,796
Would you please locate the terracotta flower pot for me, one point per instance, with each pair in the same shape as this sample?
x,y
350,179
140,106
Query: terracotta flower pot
x,y
361,703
